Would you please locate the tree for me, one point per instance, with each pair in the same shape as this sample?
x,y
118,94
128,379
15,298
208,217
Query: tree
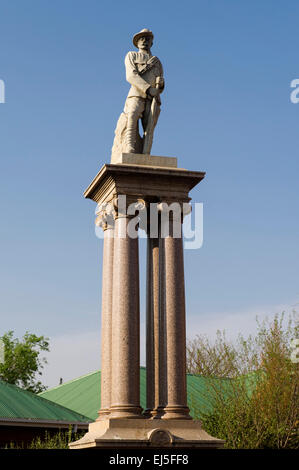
x,y
258,405
22,362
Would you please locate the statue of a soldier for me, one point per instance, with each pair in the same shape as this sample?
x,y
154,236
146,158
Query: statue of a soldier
x,y
145,74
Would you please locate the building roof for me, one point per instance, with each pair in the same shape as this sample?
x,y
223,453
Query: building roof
x,y
84,393
19,406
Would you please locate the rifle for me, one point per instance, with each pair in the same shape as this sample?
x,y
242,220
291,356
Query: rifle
x,y
149,132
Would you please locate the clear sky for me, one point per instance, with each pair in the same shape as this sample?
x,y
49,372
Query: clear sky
x,y
226,110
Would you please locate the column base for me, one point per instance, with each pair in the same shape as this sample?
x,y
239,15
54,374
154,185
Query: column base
x,y
146,433
176,412
126,412
103,413
155,413
158,412
148,413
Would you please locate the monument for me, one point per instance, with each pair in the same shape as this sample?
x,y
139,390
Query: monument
x,y
158,191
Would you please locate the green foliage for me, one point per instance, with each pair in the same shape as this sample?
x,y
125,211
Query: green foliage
x,y
59,440
22,360
258,406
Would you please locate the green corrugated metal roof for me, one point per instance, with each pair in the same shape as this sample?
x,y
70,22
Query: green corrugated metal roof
x,y
16,403
83,394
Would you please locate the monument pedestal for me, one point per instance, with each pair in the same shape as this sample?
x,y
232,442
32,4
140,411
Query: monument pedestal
x,y
146,433
159,191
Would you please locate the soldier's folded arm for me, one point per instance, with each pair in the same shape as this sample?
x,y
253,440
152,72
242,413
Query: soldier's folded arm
x,y
162,82
133,76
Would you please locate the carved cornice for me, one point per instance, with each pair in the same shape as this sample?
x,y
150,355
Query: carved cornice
x,y
148,183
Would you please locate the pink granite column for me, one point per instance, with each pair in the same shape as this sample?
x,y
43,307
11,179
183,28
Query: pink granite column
x,y
106,337
156,323
153,354
176,407
125,398
150,364
105,220
162,331
155,326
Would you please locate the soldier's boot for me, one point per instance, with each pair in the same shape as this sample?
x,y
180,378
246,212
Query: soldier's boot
x,y
131,135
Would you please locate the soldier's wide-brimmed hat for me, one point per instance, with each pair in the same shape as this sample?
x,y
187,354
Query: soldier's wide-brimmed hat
x,y
143,32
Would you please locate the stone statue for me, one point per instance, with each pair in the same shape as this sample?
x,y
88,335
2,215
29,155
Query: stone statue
x,y
145,74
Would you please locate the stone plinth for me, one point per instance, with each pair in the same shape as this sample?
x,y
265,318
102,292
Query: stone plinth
x,y
146,433
147,160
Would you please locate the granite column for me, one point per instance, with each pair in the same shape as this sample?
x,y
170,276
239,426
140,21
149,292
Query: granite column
x,y
125,397
105,220
174,289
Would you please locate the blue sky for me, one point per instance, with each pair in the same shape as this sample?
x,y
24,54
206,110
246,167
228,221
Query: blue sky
x,y
226,110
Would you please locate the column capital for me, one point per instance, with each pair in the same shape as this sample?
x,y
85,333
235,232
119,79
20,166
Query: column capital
x,y
179,209
105,216
172,215
126,206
